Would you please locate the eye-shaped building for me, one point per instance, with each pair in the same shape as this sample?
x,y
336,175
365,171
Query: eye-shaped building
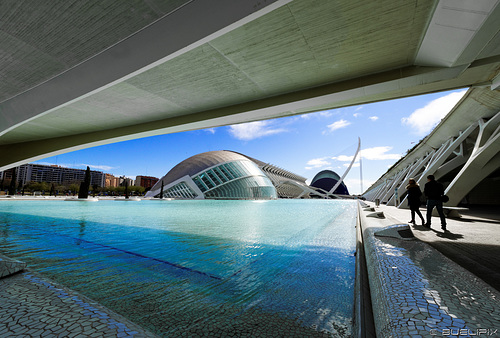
x,y
226,174
325,180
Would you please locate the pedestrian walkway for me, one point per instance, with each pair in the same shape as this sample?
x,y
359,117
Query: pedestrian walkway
x,y
416,291
472,241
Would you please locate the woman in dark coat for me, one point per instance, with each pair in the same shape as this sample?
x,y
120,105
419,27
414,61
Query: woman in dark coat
x,y
414,202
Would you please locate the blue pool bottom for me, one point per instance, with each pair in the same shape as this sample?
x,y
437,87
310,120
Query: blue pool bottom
x,y
177,267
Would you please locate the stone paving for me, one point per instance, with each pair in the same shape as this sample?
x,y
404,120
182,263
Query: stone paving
x,y
10,266
33,306
472,241
418,292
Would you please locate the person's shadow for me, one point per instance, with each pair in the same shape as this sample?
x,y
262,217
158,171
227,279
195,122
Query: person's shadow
x,y
448,235
443,234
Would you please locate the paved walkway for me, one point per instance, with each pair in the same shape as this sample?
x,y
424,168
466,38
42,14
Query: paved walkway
x,y
416,291
472,241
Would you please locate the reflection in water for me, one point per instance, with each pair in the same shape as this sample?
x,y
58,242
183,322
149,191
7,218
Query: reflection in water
x,y
82,231
250,269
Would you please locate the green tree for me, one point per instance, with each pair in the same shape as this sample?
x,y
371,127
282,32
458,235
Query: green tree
x,y
136,190
37,186
44,186
74,188
95,189
60,189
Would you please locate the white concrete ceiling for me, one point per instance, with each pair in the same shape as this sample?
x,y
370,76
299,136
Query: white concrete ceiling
x,y
77,74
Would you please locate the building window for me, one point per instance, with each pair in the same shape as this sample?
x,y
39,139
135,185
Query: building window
x,y
180,190
214,178
200,184
207,181
235,180
220,174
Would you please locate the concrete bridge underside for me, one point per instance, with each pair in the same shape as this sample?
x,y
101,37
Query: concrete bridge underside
x,y
79,74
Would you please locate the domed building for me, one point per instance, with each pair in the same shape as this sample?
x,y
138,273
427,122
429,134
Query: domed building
x,y
326,180
226,174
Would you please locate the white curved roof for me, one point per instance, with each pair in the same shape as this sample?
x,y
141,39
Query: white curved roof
x,y
200,162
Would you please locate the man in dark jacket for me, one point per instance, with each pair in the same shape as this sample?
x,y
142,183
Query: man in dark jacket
x,y
434,191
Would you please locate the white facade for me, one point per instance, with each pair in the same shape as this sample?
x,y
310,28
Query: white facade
x,y
227,175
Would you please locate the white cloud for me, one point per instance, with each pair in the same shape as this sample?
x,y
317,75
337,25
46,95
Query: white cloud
x,y
374,154
321,114
338,125
424,119
97,167
356,114
359,108
317,163
354,165
342,158
210,130
379,153
326,113
252,130
373,118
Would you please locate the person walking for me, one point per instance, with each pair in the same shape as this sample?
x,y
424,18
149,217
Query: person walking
x,y
414,193
434,192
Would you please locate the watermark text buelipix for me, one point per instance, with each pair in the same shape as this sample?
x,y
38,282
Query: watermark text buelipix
x,y
464,332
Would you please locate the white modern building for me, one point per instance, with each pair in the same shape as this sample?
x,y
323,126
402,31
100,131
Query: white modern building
x,y
226,174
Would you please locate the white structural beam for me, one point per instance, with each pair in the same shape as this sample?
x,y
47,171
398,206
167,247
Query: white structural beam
x,y
476,164
392,195
165,39
466,24
414,173
484,160
332,190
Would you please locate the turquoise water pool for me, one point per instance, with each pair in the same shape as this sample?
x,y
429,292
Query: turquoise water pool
x,y
248,268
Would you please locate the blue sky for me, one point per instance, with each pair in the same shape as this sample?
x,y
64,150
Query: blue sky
x,y
304,144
